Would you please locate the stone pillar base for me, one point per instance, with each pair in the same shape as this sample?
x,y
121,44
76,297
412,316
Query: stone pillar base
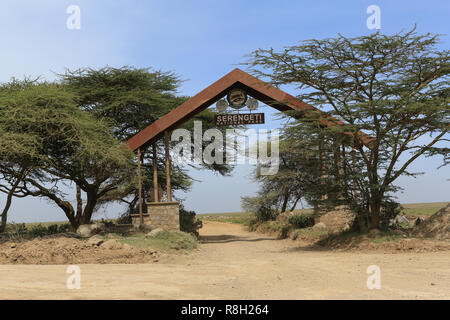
x,y
165,215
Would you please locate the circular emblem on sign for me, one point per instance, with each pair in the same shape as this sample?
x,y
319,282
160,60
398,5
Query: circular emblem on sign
x,y
237,98
252,104
221,105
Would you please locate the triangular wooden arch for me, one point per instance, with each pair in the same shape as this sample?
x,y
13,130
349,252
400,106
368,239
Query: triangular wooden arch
x,y
256,88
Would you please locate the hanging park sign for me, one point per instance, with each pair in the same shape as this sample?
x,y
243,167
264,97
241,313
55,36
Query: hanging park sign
x,y
239,118
237,99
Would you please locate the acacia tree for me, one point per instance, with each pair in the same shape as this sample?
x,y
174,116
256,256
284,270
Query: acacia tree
x,y
297,176
17,157
394,88
74,148
131,99
19,153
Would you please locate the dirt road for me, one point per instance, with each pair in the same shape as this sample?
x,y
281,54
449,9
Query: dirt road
x,y
232,263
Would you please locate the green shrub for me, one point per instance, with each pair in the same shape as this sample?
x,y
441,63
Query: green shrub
x,y
124,218
281,229
389,210
53,229
15,230
301,221
189,222
284,232
265,213
39,230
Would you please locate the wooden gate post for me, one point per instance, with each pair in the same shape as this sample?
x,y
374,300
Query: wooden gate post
x,y
141,217
155,174
168,184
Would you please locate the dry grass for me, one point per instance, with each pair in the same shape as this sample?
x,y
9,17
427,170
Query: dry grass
x,y
165,241
422,209
410,209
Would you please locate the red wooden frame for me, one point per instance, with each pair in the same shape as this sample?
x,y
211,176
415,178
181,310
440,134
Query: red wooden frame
x,y
256,88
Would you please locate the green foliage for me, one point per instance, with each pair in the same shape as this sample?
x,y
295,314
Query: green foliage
x,y
71,133
390,95
265,213
131,99
21,230
281,229
174,240
188,222
309,233
124,218
20,147
40,230
15,231
166,241
73,147
282,191
389,210
284,233
301,220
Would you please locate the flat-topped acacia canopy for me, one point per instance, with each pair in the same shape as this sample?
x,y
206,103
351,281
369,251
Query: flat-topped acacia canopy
x,y
254,87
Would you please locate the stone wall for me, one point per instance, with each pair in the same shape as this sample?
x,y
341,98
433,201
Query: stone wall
x,y
165,215
136,220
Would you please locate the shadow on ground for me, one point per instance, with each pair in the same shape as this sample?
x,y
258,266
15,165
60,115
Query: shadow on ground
x,y
225,238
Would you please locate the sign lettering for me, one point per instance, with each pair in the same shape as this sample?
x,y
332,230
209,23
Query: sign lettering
x,y
237,119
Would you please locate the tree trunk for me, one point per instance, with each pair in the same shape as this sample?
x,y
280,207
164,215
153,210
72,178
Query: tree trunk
x,y
295,204
89,208
79,201
375,199
64,205
8,205
132,205
375,208
285,202
6,209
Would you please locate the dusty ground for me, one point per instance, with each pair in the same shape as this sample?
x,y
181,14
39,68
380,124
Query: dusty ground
x,y
66,250
235,264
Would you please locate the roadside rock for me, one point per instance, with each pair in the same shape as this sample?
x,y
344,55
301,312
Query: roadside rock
x,y
84,231
337,220
95,241
418,221
320,227
126,246
112,236
111,245
401,219
97,227
155,232
87,230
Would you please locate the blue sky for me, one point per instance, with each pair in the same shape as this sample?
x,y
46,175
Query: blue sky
x,y
201,41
